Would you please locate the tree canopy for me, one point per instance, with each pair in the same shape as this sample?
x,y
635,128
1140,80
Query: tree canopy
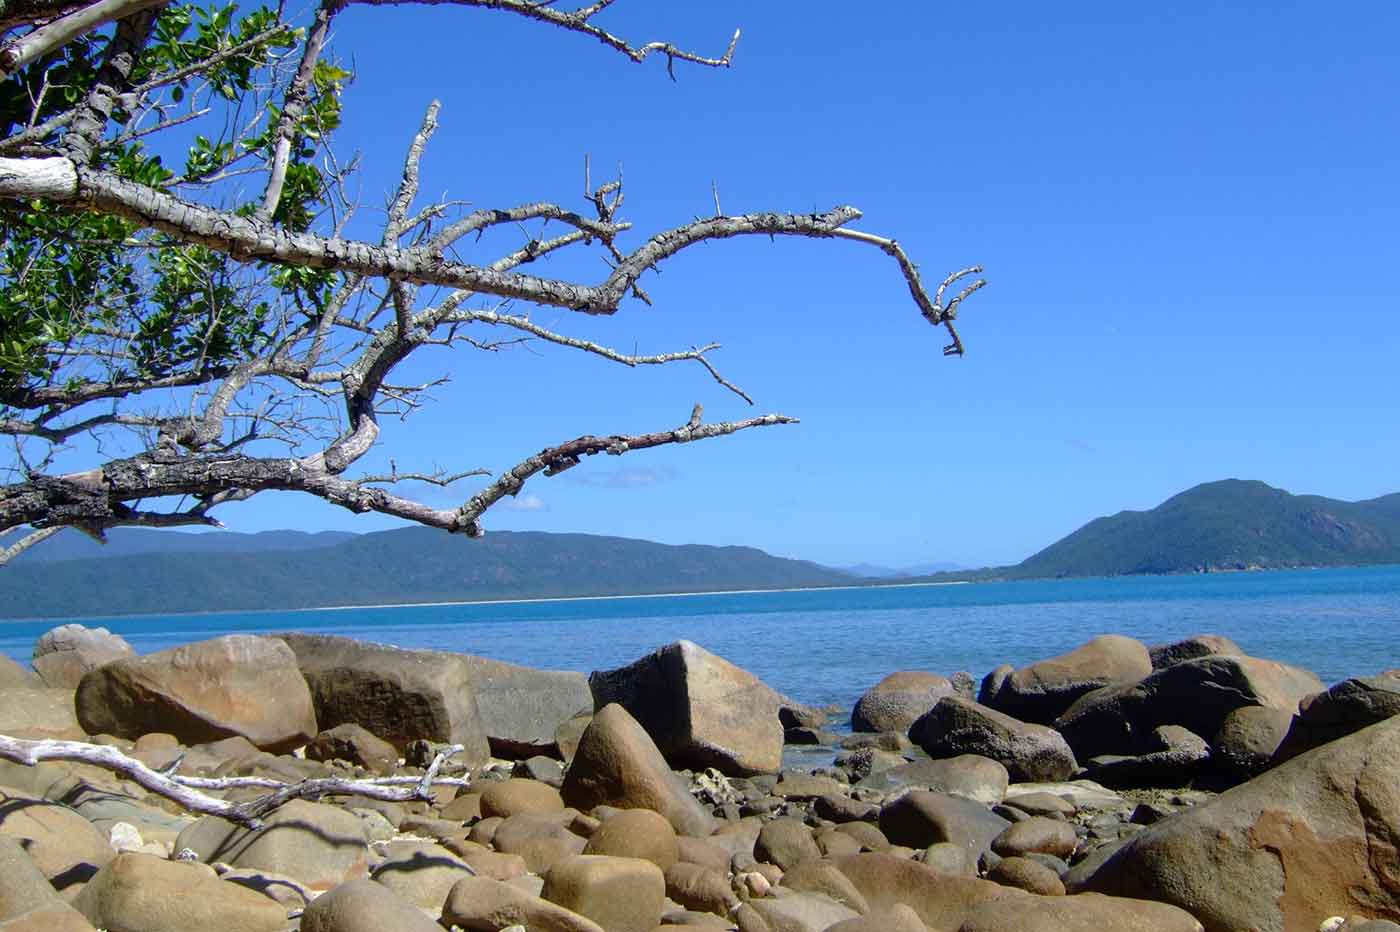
x,y
180,290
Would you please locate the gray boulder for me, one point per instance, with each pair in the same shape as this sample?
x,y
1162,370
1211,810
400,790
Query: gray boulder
x,y
1029,752
920,818
13,676
399,695
63,654
700,709
897,701
1195,694
1247,742
1039,693
971,776
232,685
522,708
1174,757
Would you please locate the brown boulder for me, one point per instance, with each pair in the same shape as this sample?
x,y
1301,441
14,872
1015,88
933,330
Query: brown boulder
x,y
39,714
786,843
355,744
1037,834
541,839
364,906
1082,913
1039,693
1344,708
420,872
399,695
969,775
65,847
1195,694
897,918
941,901
705,889
506,798
1029,752
523,708
1200,645
479,904
64,654
1247,741
1314,837
617,764
13,676
700,709
320,845
636,833
920,818
1025,874
897,701
620,894
233,685
141,893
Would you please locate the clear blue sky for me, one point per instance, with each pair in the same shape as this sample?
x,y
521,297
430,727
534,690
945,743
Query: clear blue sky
x,y
1189,214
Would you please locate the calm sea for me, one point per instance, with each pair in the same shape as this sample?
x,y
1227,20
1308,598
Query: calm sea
x,y
828,646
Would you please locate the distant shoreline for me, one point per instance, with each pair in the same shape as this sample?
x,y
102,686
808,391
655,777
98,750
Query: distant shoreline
x,y
65,619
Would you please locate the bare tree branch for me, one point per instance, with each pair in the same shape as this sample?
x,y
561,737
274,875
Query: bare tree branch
x,y
20,52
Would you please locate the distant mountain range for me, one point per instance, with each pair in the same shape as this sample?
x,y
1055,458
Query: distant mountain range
x,y
159,572
1219,526
1229,525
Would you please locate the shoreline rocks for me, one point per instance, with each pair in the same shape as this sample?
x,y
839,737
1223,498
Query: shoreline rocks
x,y
961,818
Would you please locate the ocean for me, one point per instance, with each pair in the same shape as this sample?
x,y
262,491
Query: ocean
x,y
828,646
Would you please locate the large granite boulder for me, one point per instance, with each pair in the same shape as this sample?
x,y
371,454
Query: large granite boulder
x,y
1247,742
1029,752
1195,694
39,714
318,844
28,902
1086,912
354,744
1040,692
1346,707
13,676
920,818
138,891
897,701
65,847
1312,838
522,708
1198,645
399,695
364,906
942,901
63,654
700,709
1173,757
968,775
618,764
233,685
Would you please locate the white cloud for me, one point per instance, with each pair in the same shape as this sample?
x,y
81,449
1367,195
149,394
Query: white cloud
x,y
525,502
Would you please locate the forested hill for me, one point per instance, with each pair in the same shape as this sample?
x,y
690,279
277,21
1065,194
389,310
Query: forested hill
x,y
1228,525
190,573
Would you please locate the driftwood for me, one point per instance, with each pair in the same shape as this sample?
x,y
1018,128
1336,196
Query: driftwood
x,y
188,791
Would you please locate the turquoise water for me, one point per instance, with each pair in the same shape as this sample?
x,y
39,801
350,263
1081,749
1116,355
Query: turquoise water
x,y
828,646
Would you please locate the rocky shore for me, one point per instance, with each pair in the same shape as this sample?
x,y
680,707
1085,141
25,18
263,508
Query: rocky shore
x,y
1116,787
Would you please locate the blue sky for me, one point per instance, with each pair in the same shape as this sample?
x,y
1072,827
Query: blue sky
x,y
1187,212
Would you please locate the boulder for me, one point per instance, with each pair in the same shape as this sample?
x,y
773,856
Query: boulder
x,y
1082,913
1346,707
522,708
64,654
1039,693
420,872
1037,834
1314,837
620,894
65,847
1247,742
969,775
920,818
541,839
897,701
320,845
233,685
1200,645
799,912
355,744
823,877
700,709
617,764
1026,874
897,918
1196,694
399,695
636,833
940,900
39,714
27,897
479,904
140,893
506,798
786,843
13,676
364,906
56,916
703,889
1175,757
1029,752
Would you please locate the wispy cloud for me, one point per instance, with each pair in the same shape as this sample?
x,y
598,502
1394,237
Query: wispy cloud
x,y
622,478
526,502
1081,446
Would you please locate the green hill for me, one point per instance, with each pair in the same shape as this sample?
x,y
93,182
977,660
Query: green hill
x,y
405,565
1229,525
